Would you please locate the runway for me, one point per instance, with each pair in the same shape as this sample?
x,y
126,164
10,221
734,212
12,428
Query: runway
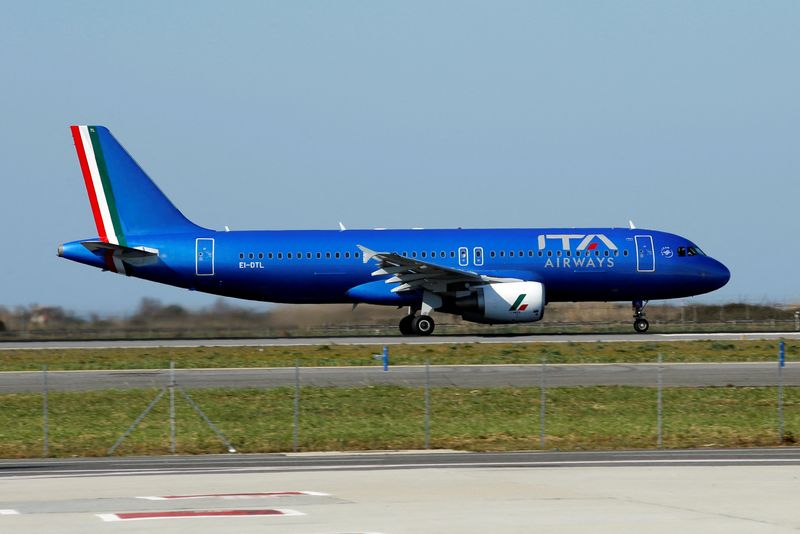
x,y
466,376
370,461
395,340
732,491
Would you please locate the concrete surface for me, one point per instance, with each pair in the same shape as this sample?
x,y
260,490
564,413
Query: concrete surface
x,y
653,497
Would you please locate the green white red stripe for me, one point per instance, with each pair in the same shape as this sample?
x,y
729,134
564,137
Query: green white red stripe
x,y
98,184
516,306
101,195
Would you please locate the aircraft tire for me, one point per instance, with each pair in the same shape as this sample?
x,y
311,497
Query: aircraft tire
x,y
423,325
641,325
406,326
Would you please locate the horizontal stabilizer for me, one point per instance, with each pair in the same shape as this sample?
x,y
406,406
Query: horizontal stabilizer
x,y
137,256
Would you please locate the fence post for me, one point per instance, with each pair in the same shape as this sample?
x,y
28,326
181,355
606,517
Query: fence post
x,y
296,424
781,363
172,406
542,404
660,402
427,404
46,413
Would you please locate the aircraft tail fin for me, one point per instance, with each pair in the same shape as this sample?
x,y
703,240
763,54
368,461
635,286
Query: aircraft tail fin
x,y
124,200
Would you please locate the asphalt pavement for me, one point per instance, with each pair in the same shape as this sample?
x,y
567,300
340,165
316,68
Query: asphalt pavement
x,y
466,376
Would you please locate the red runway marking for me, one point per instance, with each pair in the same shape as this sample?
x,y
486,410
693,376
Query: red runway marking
x,y
250,495
191,514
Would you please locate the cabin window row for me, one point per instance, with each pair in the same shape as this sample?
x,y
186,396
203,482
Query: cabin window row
x,y
298,255
414,254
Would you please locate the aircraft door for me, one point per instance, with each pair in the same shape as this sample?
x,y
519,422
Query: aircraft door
x,y
477,256
204,257
645,258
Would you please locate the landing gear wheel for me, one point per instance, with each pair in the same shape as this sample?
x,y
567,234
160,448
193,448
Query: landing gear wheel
x,y
406,328
423,325
641,325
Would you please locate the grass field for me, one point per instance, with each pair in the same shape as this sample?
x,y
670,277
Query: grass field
x,y
328,355
387,417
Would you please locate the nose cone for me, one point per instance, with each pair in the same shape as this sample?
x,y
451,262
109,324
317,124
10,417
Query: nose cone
x,y
716,274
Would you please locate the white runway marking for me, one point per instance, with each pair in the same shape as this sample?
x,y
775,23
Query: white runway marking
x,y
9,512
250,495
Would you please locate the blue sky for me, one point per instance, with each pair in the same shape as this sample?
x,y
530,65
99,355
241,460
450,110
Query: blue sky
x,y
683,116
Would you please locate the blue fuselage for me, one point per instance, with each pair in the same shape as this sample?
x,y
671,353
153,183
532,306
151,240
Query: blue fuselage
x,y
318,266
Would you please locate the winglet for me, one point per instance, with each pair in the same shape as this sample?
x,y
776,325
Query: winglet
x,y
342,227
631,225
367,253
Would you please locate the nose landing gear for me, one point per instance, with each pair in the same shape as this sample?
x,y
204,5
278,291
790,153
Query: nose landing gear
x,y
640,323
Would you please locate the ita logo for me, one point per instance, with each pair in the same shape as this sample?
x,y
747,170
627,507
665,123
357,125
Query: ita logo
x,y
516,306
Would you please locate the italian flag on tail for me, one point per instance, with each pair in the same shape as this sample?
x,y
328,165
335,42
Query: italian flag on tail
x,y
101,195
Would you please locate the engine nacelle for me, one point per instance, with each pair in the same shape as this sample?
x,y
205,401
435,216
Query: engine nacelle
x,y
512,302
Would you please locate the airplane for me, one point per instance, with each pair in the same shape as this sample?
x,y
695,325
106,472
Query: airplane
x,y
491,276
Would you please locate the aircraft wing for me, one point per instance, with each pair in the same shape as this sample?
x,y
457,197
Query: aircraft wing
x,y
411,273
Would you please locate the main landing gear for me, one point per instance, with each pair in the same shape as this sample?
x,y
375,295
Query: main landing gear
x,y
416,325
640,323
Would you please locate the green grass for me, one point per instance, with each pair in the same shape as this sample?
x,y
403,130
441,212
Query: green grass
x,y
328,355
389,417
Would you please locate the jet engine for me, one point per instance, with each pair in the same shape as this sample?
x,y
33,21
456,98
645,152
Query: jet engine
x,y
511,302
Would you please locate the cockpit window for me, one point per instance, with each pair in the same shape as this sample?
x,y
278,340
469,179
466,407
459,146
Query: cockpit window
x,y
690,251
695,251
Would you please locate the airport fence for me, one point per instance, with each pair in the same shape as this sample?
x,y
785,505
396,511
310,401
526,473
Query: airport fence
x,y
425,407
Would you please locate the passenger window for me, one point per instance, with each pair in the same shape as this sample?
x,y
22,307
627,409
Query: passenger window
x,y
338,255
405,254
540,253
491,254
260,255
502,253
442,254
511,253
452,253
549,253
424,254
280,255
328,255
624,252
558,253
521,254
414,254
319,255
308,255
347,254
355,255
251,256
269,255
605,253
569,253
